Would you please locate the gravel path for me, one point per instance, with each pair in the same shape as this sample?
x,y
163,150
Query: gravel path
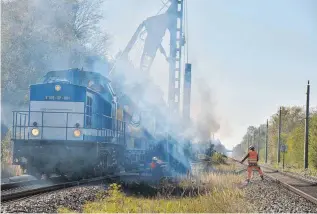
x,y
271,197
72,198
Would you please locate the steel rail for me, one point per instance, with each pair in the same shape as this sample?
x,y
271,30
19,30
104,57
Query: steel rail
x,y
293,189
290,175
12,185
33,192
290,187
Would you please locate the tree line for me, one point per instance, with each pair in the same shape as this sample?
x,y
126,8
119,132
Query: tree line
x,y
38,36
292,135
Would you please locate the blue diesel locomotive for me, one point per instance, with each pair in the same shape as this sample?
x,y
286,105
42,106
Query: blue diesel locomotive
x,y
74,126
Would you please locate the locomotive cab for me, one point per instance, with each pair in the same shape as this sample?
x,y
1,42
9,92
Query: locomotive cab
x,y
71,125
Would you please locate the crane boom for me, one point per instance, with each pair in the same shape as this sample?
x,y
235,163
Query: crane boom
x,y
155,28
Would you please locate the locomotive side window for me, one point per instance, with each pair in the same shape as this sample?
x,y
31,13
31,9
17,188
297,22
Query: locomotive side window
x,y
88,112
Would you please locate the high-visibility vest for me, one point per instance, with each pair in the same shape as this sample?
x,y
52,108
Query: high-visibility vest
x,y
153,165
253,157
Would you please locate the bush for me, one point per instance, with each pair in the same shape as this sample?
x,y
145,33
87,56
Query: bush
x,y
7,169
218,158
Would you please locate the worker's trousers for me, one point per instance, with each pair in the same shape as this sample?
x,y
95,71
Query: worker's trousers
x,y
250,168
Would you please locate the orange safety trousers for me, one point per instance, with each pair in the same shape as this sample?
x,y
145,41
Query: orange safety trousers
x,y
254,167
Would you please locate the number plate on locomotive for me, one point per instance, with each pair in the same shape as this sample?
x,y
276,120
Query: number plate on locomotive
x,y
57,98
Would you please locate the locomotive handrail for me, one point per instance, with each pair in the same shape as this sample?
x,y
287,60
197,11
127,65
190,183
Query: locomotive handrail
x,y
104,126
70,112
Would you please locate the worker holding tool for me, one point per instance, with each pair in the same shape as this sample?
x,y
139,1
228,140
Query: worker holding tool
x,y
156,167
253,159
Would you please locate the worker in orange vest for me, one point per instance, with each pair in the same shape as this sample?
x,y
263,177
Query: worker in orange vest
x,y
154,163
156,167
253,159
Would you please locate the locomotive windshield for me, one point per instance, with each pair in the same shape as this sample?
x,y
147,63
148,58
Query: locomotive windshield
x,y
92,80
56,79
58,76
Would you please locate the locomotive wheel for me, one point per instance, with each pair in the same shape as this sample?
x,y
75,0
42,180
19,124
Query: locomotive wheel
x,y
102,166
89,172
75,176
112,160
109,163
34,172
24,169
31,169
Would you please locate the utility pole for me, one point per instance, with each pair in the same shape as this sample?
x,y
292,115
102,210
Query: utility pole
x,y
279,136
258,142
187,92
253,140
248,140
306,128
167,149
176,46
266,139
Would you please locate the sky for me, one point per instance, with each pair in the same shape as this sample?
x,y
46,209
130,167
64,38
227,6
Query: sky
x,y
254,55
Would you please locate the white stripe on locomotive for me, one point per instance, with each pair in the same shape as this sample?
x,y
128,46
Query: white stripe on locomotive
x,y
54,119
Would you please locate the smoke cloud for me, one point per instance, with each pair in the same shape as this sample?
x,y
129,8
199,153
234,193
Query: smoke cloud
x,y
207,119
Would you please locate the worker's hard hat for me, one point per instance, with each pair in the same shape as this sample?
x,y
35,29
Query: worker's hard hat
x,y
154,158
251,148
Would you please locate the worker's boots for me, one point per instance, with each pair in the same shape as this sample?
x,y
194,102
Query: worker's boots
x,y
262,177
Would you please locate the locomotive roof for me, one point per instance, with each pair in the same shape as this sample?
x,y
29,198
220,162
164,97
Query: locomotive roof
x,y
76,73
92,80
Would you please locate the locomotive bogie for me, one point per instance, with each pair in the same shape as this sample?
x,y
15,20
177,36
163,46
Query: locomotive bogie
x,y
65,158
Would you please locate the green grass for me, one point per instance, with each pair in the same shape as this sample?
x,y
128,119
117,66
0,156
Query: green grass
x,y
215,200
214,193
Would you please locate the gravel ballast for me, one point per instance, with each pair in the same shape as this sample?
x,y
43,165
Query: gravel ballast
x,y
269,197
72,198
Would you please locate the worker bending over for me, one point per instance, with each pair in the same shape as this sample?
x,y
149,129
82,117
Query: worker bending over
x,y
156,166
253,159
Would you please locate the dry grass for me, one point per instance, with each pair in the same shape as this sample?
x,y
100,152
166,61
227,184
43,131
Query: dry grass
x,y
226,167
214,193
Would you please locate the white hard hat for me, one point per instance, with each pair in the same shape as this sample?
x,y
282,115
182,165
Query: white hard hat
x,y
154,158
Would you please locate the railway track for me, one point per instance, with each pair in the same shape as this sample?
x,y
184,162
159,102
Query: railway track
x,y
23,190
27,183
303,187
13,185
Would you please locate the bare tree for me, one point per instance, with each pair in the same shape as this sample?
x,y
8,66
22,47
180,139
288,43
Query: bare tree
x,y
38,36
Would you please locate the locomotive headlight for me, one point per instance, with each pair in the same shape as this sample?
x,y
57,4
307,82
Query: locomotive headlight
x,y
35,132
57,87
77,133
